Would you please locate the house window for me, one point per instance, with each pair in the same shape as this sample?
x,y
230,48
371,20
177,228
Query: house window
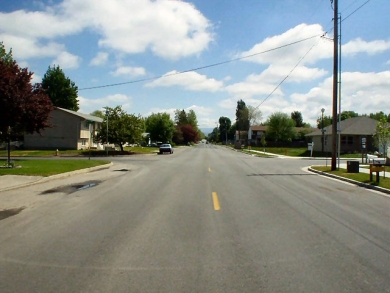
x,y
83,142
347,140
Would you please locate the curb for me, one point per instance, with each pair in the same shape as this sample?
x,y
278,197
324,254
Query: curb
x,y
361,184
60,175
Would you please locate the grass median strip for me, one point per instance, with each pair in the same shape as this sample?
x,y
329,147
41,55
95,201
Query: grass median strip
x,y
360,177
48,167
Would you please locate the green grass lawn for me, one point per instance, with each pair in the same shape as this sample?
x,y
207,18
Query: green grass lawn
x,y
68,153
47,167
40,153
299,152
142,150
361,177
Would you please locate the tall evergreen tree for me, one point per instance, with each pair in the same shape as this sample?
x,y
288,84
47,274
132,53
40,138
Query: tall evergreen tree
x,y
62,91
181,117
242,116
297,117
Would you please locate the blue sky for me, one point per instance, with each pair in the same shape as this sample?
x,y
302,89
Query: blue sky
x,y
143,44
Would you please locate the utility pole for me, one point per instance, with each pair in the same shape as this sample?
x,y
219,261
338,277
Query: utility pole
x,y
107,133
335,83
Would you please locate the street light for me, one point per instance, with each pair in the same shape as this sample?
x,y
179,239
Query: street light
x,y
322,130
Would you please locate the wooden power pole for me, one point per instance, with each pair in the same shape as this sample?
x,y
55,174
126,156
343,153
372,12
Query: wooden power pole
x,y
335,83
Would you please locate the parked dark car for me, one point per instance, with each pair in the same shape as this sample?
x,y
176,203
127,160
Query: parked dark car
x,y
166,148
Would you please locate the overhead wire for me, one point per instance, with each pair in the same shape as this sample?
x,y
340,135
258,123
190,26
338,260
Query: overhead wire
x,y
300,60
237,59
353,12
288,75
202,67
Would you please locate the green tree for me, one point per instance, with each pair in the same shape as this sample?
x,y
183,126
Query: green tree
x,y
242,116
160,127
232,131
61,90
122,127
192,119
327,120
379,115
4,56
224,125
181,117
263,141
382,135
348,114
213,136
280,127
178,137
297,117
98,113
254,115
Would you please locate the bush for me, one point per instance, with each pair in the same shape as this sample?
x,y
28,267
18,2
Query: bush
x,y
102,153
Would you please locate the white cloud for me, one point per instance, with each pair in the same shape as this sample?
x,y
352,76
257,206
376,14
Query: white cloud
x,y
285,65
170,29
129,71
67,61
200,110
154,110
39,24
363,93
100,59
192,81
90,105
277,73
25,47
36,78
360,46
273,50
253,85
202,113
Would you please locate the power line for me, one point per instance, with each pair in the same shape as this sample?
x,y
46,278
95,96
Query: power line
x,y
199,68
288,75
300,60
349,15
353,12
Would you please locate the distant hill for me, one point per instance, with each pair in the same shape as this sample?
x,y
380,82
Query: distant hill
x,y
206,131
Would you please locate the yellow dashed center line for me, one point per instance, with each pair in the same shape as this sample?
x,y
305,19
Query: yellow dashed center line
x,y
209,169
216,201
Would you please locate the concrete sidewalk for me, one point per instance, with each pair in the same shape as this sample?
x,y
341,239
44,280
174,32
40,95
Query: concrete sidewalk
x,y
8,182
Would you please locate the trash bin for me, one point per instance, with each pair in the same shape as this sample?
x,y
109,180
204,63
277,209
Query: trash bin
x,y
353,166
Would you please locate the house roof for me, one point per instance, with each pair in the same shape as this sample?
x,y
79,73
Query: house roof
x,y
353,126
297,129
81,115
258,127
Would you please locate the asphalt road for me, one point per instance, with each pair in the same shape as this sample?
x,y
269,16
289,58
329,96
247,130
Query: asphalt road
x,y
205,219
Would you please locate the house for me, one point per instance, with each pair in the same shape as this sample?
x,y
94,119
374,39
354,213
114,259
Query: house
x,y
256,132
69,130
356,135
